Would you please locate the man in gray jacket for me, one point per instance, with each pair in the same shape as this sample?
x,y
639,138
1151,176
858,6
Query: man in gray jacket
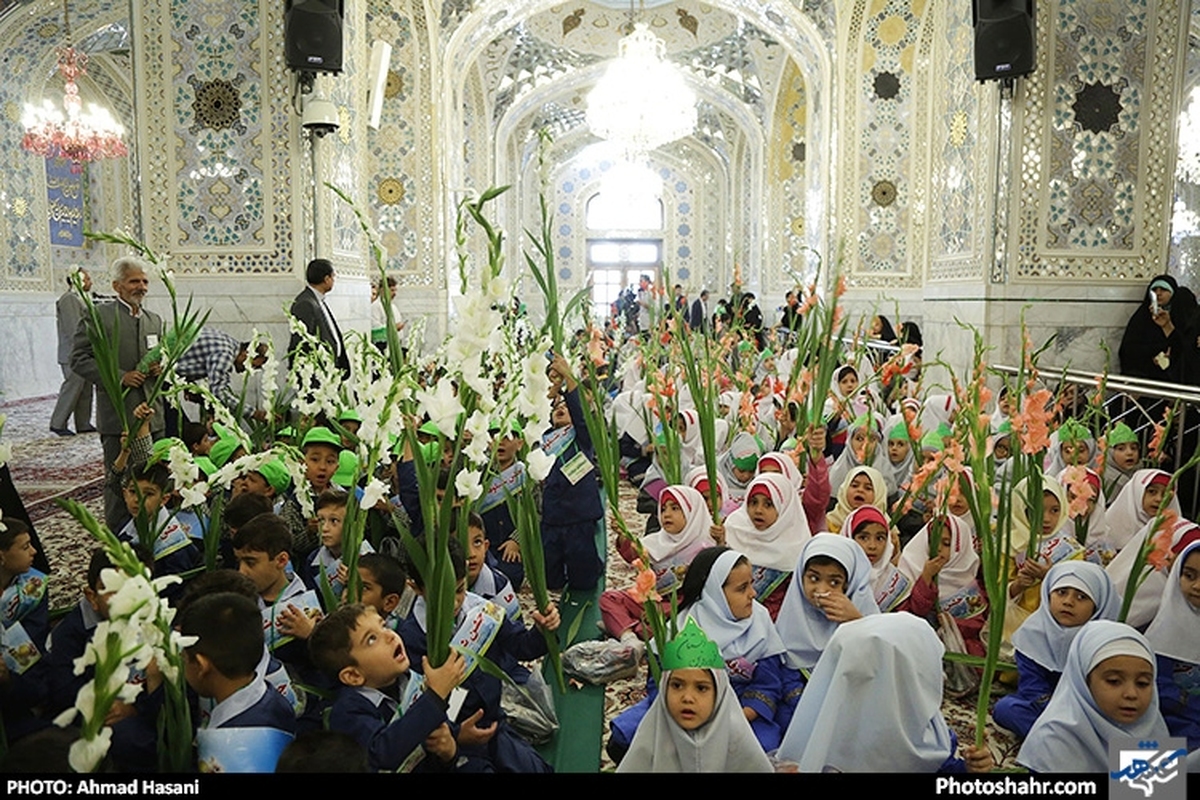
x,y
134,331
75,394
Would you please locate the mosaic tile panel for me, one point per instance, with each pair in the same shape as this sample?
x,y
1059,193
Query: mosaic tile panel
x,y
885,114
217,192
958,157
400,154
349,94
1091,200
789,162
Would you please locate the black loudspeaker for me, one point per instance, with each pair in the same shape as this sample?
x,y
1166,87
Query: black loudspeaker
x,y
312,35
1004,38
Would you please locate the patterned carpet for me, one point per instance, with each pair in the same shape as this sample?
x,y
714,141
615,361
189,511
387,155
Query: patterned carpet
x,y
46,467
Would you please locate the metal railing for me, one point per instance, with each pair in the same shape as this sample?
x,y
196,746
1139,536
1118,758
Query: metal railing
x,y
1140,404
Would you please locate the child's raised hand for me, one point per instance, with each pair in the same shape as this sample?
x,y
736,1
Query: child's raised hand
x,y
979,759
469,733
441,743
838,608
510,551
342,575
717,532
550,620
294,622
932,567
816,439
442,680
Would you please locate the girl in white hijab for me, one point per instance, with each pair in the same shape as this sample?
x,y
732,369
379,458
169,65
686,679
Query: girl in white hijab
x,y
1084,716
948,582
1173,635
1073,594
1135,505
1148,595
696,723
873,704
862,485
863,448
868,527
718,594
771,530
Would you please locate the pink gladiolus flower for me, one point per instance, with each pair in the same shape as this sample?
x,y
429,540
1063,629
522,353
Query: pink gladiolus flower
x,y
643,587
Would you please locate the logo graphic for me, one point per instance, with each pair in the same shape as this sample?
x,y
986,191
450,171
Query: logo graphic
x,y
1144,769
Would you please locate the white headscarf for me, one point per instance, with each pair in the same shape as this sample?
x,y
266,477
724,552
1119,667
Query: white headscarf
x,y
752,639
1126,516
874,701
836,517
1072,735
778,546
1147,597
1040,637
847,460
787,468
669,549
885,578
804,628
725,743
896,475
1174,630
961,569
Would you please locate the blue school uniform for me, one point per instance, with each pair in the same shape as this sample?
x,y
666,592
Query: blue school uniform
x,y
498,523
246,731
1179,698
370,717
570,510
174,551
134,739
506,750
1035,685
25,623
324,558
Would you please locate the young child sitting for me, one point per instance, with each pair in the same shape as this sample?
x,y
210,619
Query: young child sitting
x,y
385,588
1121,459
862,486
1107,693
508,479
696,723
948,582
873,704
289,609
770,529
483,578
24,625
1073,593
145,491
327,572
251,723
484,732
1137,504
1172,634
868,527
353,646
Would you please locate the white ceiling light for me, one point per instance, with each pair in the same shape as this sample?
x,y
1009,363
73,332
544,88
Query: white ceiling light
x,y
642,101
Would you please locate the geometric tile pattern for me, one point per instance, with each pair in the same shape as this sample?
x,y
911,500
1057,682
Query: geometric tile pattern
x,y
1096,115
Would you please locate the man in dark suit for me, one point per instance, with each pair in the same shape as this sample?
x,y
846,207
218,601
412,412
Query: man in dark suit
x,y
75,394
309,307
698,319
134,331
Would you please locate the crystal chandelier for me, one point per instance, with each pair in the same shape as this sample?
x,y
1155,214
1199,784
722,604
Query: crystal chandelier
x,y
642,101
71,132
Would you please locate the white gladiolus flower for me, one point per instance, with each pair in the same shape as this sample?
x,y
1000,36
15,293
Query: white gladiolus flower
x,y
539,463
136,597
85,755
467,485
442,406
374,491
192,496
5,454
66,717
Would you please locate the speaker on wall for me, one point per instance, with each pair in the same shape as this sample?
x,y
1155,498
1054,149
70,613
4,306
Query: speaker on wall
x,y
312,35
1004,38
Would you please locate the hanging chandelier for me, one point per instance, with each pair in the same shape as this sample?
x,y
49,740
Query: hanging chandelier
x,y
71,132
642,101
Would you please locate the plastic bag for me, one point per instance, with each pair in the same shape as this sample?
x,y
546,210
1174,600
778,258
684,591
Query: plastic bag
x,y
530,708
600,662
